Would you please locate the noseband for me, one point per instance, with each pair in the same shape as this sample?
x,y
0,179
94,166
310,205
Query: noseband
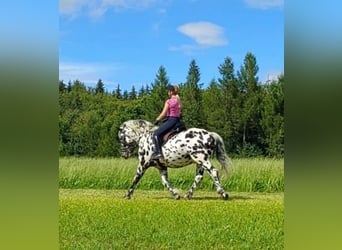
x,y
127,149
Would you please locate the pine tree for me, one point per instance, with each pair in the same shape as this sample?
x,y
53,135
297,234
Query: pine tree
x,y
191,98
125,95
142,91
158,95
272,118
69,86
99,87
211,100
229,104
133,93
250,101
117,92
62,87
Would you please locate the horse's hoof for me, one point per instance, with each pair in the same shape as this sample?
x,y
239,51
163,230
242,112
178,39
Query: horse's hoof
x,y
225,196
127,197
188,196
177,197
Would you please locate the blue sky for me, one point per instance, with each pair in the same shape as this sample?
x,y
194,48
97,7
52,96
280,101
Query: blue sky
x,y
126,41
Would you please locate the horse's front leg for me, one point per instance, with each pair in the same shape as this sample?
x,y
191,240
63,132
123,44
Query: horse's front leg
x,y
140,172
165,181
198,178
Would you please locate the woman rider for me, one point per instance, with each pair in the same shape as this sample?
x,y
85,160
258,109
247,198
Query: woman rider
x,y
171,110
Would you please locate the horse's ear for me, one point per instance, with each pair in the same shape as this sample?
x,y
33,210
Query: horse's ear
x,y
123,127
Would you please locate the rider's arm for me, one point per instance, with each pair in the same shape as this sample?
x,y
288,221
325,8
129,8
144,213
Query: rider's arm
x,y
164,112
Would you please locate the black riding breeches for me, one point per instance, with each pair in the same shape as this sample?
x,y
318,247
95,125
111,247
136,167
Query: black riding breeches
x,y
166,127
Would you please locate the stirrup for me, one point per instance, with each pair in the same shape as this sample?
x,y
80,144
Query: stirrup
x,y
157,156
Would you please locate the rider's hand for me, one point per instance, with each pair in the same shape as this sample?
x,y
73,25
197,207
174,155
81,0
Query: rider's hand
x,y
156,122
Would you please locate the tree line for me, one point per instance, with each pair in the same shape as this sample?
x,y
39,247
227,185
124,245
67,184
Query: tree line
x,y
249,115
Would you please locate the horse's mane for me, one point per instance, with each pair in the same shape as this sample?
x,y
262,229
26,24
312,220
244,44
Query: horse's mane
x,y
140,125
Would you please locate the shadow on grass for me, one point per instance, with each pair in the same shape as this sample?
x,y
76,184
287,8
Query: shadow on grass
x,y
206,198
231,197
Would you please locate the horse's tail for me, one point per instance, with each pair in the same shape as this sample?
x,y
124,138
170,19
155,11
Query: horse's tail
x,y
221,151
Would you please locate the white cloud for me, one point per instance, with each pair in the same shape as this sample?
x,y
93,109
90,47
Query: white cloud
x,y
70,7
204,33
96,8
129,4
265,4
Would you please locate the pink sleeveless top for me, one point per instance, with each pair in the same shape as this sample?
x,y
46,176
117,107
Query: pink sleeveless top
x,y
174,107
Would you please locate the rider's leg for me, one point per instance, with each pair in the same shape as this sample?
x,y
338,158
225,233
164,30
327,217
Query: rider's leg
x,y
157,154
158,135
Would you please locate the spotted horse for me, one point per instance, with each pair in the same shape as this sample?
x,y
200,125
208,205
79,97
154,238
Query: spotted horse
x,y
190,146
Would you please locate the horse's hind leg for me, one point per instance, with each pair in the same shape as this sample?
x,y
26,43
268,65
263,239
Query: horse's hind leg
x,y
206,164
165,181
215,177
198,178
140,172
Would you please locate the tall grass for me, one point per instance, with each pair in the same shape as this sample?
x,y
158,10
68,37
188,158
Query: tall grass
x,y
246,175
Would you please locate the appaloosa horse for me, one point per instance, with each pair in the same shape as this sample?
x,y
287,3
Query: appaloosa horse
x,y
191,146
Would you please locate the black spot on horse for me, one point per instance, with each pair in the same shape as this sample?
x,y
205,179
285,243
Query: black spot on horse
x,y
210,142
200,142
199,152
189,135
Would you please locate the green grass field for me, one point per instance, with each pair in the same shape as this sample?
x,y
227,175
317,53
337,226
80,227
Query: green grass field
x,y
102,219
94,215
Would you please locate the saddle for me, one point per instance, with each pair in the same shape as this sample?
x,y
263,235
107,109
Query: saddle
x,y
179,127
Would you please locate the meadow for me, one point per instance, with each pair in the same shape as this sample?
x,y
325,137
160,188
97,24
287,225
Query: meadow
x,y
245,175
94,215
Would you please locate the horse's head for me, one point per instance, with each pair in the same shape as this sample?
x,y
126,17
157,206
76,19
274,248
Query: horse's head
x,y
129,135
128,140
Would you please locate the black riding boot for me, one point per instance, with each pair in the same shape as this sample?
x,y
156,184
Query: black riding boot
x,y
157,154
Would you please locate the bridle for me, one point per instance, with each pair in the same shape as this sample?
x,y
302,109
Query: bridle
x,y
127,149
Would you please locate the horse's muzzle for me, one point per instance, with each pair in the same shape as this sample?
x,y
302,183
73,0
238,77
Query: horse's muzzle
x,y
125,155
126,152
